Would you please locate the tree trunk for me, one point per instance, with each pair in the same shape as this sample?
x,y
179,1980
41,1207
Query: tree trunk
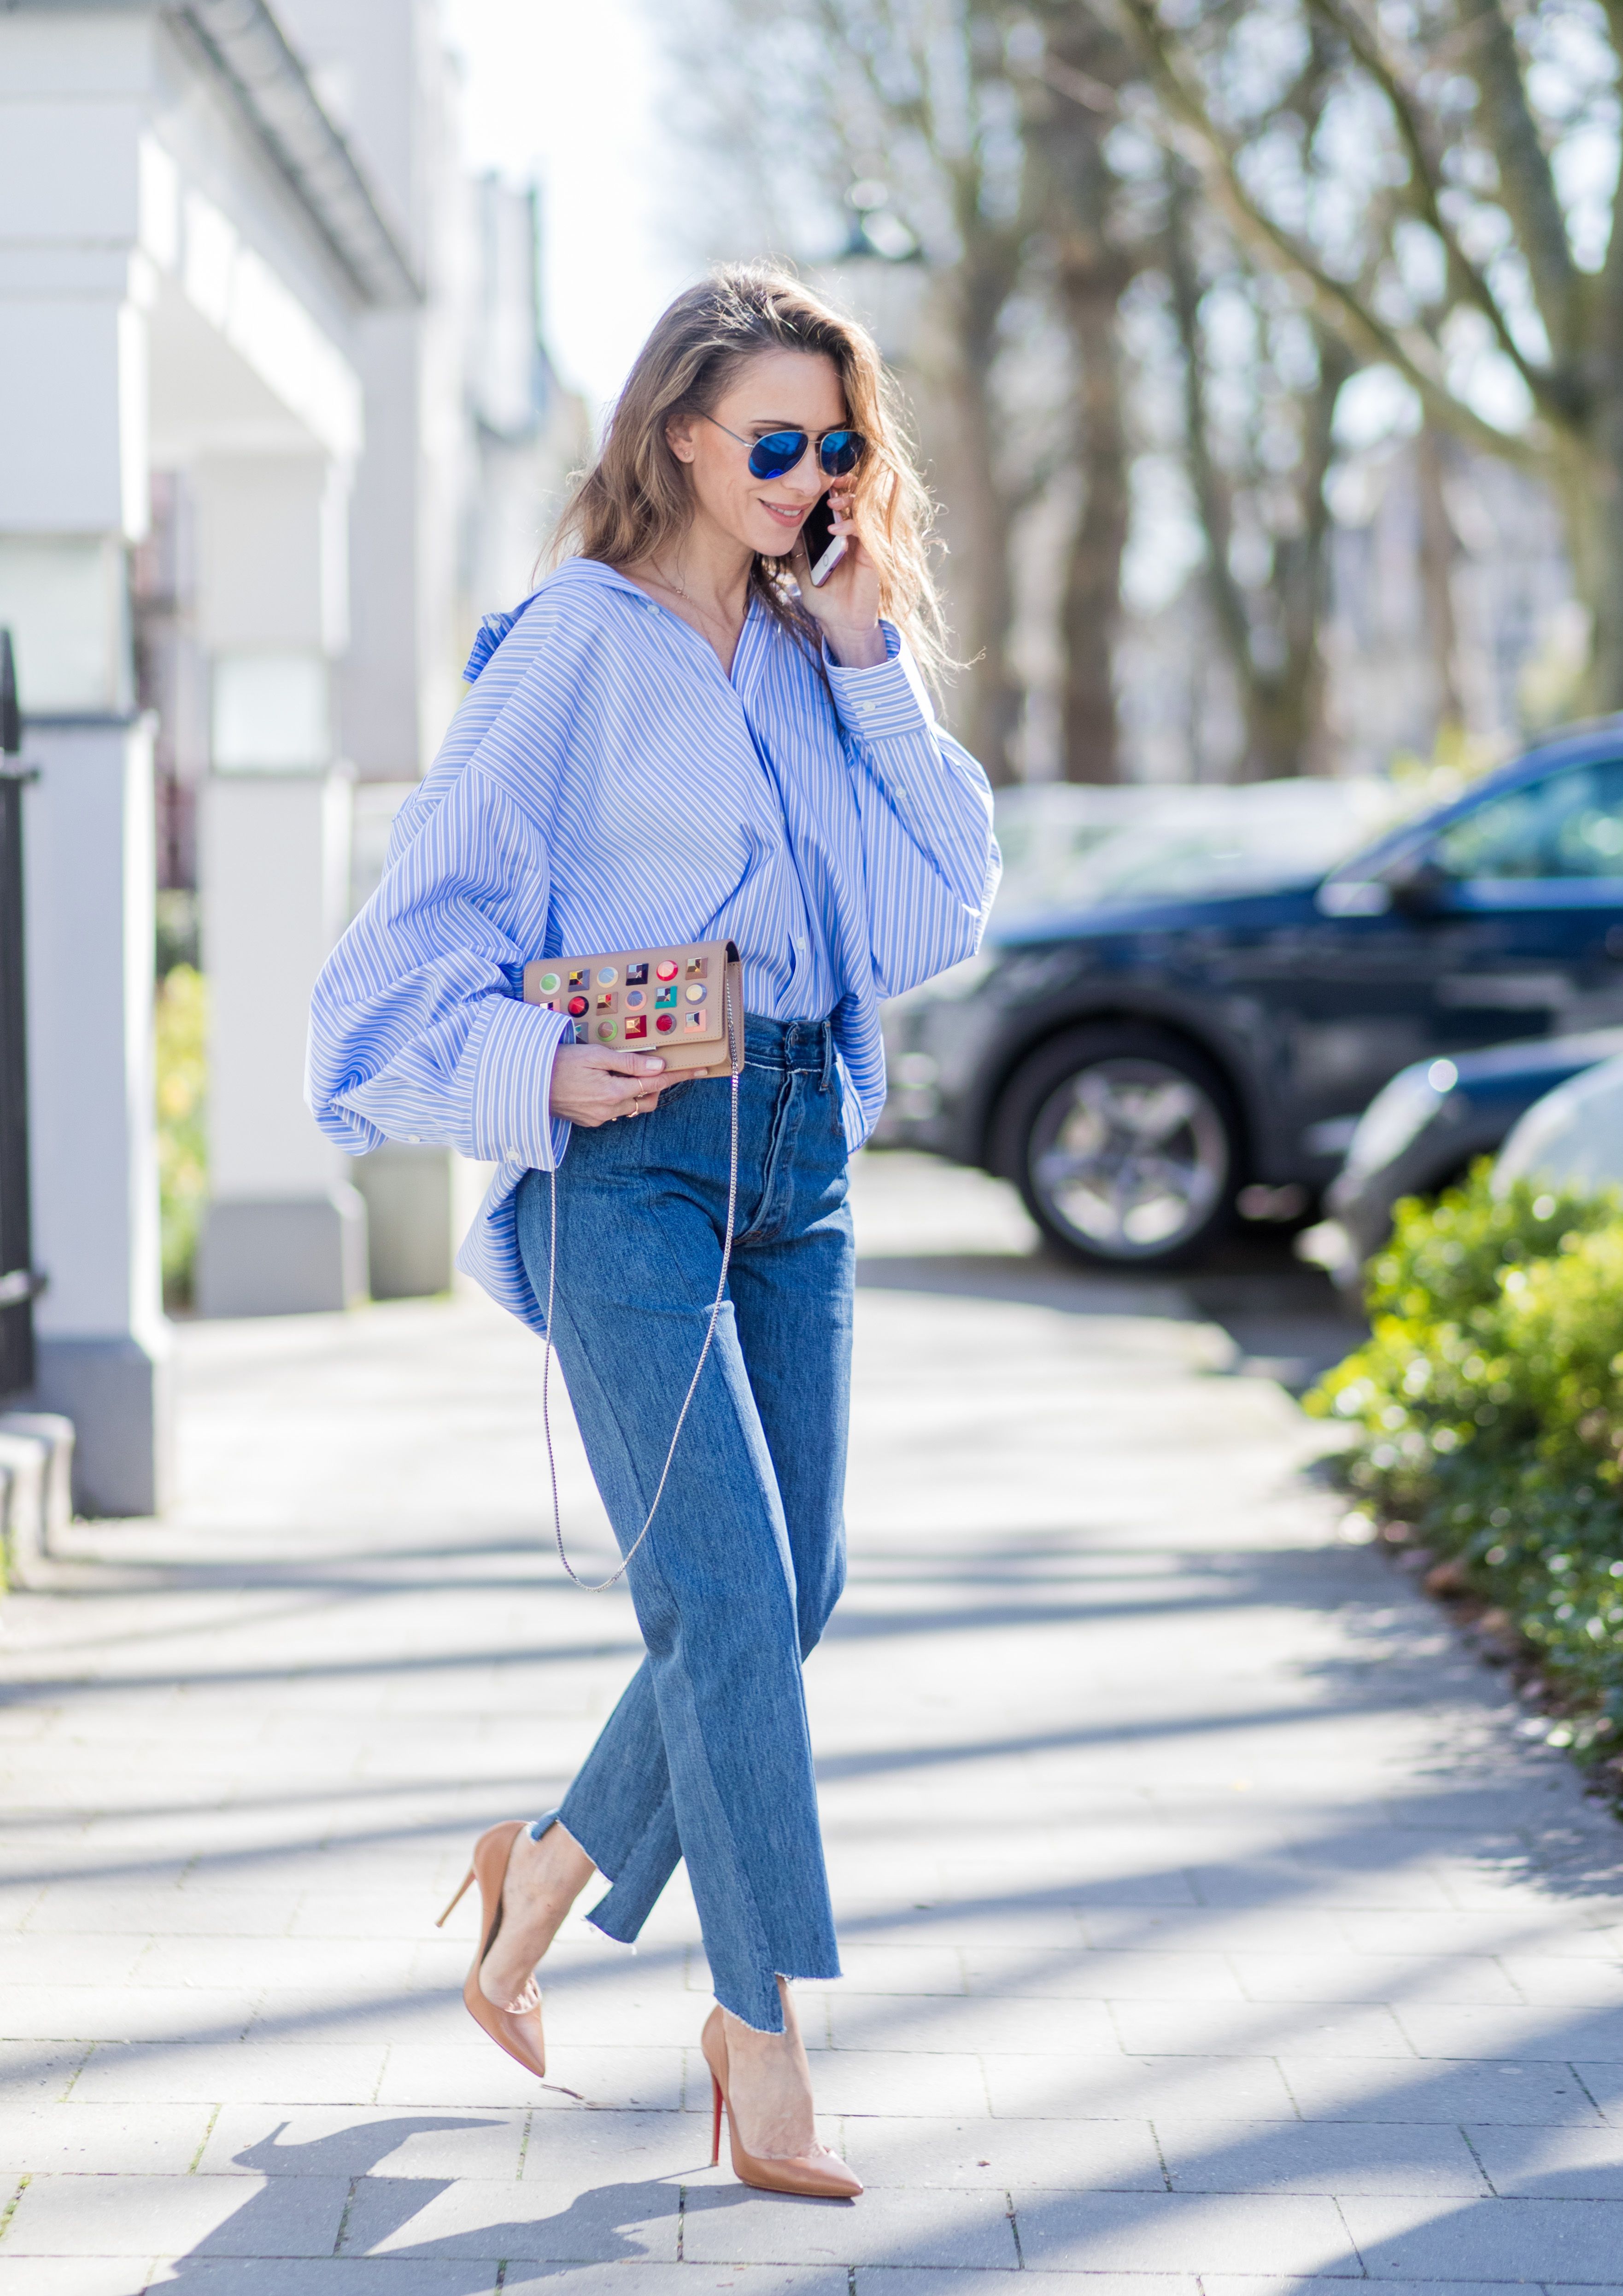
x,y
1587,488
980,519
1090,607
1437,550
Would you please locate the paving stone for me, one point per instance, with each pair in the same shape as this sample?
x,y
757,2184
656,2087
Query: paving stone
x,y
77,2276
1562,2035
39,2070
271,2072
1182,2232
886,2280
343,2141
51,1959
475,2073
123,2013
1390,1978
1531,2096
991,2155
1240,2283
1605,2084
1098,2088
41,2137
1012,2027
1566,2164
144,2216
885,2226
587,2144
1258,2028
686,2279
1499,2239
1094,1975
532,2222
1217,2156
875,2080
328,2275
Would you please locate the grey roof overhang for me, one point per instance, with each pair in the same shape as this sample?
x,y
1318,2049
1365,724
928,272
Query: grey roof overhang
x,y
247,51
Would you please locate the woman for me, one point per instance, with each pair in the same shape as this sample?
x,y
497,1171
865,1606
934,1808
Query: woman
x,y
674,741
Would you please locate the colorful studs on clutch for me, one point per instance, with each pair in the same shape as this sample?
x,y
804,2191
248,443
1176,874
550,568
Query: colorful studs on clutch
x,y
607,1031
578,1005
550,984
696,992
635,998
695,1021
697,967
663,998
636,1025
606,976
607,1000
580,976
667,968
635,972
665,1021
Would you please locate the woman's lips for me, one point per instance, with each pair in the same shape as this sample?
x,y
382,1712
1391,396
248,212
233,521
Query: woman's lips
x,y
790,514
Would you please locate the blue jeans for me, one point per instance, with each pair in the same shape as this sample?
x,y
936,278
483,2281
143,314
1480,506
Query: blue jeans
x,y
707,1756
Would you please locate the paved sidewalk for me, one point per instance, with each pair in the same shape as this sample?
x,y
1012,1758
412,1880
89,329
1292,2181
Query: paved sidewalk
x,y
1208,1928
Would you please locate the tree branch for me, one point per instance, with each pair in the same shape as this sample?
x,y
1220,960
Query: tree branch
x,y
1527,185
1334,303
1365,44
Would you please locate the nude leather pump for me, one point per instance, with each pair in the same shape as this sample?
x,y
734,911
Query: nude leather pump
x,y
517,2028
820,2175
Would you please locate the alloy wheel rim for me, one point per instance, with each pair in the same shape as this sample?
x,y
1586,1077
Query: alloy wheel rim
x,y
1130,1157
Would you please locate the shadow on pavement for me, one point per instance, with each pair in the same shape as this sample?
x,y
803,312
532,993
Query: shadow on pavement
x,y
1286,1320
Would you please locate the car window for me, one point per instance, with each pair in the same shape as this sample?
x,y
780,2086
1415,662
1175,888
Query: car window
x,y
1571,825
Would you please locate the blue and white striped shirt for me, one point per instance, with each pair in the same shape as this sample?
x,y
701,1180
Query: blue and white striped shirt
x,y
606,783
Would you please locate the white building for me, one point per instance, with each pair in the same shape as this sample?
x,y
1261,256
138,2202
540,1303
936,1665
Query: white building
x,y
240,272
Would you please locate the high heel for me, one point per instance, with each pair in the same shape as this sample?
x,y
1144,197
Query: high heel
x,y
517,2028
819,2176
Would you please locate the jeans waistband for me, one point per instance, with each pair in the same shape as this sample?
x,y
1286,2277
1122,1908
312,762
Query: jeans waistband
x,y
808,1045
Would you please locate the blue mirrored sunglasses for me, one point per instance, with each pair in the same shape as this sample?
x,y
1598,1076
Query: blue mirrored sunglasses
x,y
771,457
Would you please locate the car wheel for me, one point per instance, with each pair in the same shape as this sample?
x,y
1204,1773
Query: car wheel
x,y
1124,1147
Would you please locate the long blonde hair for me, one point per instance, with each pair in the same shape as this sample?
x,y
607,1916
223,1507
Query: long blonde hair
x,y
635,501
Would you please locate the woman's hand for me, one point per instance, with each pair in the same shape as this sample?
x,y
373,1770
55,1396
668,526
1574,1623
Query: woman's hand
x,y
591,1086
847,604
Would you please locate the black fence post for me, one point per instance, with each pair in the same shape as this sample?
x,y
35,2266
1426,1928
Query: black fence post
x,y
17,1282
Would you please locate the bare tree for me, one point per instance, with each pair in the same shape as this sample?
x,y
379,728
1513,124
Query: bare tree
x,y
897,116
1258,468
1097,250
1423,219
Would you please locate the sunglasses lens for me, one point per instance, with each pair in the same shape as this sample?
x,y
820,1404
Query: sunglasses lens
x,y
841,451
777,452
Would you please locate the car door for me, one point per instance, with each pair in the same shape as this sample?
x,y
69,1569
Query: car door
x,y
1505,922
1528,889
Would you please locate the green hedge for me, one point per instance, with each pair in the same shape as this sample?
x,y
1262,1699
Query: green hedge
x,y
1488,1414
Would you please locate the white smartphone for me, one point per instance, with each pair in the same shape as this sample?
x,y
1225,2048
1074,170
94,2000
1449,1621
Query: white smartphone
x,y
825,548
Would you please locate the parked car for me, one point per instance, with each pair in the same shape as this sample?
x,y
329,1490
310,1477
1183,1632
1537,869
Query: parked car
x,y
1211,1009
1571,1138
1421,1132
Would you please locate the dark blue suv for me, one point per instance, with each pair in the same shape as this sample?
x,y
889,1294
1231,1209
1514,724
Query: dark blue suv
x,y
1134,1065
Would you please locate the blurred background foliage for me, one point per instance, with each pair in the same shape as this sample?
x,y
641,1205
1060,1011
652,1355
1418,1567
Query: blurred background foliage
x,y
182,1084
1264,355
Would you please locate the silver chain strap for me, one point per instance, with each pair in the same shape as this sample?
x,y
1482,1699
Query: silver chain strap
x,y
602,1586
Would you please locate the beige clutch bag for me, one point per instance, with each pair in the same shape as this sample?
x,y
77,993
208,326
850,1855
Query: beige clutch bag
x,y
674,1001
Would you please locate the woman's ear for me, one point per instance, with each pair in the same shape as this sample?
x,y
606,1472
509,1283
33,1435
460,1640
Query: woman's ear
x,y
679,437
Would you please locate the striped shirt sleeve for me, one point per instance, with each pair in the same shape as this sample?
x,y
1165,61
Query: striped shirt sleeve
x,y
416,1033
926,815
